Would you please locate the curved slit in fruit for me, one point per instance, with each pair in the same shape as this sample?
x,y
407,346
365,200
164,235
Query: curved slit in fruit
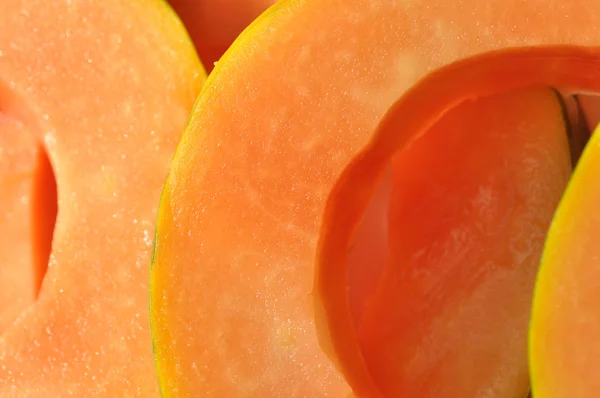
x,y
44,210
578,130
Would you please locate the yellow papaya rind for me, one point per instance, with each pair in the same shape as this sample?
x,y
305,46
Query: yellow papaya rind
x,y
557,281
191,54
161,356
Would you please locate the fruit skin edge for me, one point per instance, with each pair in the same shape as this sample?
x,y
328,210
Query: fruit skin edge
x,y
240,40
543,288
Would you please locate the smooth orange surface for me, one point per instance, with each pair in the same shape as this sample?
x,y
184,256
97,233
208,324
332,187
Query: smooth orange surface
x,y
468,213
271,180
18,268
104,89
214,24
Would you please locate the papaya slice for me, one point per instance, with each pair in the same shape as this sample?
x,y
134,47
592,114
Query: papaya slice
x,y
565,316
285,149
564,57
94,97
214,24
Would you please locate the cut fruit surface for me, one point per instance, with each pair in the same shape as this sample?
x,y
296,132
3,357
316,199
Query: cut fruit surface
x,y
469,209
565,321
94,97
283,153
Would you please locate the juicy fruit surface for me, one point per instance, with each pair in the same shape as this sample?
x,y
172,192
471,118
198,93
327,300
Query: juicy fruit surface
x,y
106,87
565,321
470,205
267,167
265,157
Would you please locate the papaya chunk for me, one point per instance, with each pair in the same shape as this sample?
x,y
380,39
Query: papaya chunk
x,y
565,319
285,148
94,97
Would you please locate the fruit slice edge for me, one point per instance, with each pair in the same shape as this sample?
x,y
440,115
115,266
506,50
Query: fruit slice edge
x,y
208,132
565,318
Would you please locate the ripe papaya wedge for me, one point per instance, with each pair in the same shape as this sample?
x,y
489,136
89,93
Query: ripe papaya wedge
x,y
565,318
253,290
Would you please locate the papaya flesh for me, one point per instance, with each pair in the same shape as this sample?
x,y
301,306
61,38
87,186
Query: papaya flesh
x,y
563,56
565,321
251,291
469,208
214,24
95,96
25,236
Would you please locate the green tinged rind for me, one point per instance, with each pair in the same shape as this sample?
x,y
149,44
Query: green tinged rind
x,y
151,285
192,54
164,201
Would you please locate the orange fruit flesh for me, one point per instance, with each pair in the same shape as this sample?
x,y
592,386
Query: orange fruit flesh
x,y
469,208
104,89
20,270
408,120
299,194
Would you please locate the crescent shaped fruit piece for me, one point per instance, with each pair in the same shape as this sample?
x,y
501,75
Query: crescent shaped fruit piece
x,y
101,91
565,319
288,141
